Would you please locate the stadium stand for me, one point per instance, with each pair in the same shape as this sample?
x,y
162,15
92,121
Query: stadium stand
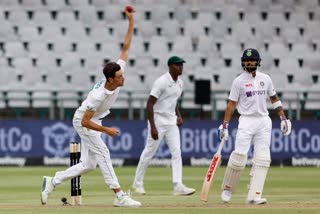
x,y
52,51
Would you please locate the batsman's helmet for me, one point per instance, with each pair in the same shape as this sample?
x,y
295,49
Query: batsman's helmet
x,y
250,54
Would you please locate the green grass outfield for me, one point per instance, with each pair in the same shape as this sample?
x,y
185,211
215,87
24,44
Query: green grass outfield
x,y
288,190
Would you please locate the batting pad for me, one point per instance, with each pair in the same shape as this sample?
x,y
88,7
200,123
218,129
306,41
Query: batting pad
x,y
236,164
258,175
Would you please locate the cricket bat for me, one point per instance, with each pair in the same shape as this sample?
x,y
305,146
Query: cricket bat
x,y
209,178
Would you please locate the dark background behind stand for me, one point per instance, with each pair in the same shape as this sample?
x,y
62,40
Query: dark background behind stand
x,y
202,94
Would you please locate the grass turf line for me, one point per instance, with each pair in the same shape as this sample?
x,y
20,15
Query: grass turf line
x,y
288,190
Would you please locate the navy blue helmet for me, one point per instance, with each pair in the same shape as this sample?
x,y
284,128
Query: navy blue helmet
x,y
250,54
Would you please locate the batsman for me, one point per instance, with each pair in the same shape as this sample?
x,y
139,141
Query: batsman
x,y
249,94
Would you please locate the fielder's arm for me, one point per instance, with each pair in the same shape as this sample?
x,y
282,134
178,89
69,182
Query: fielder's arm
x,y
128,38
88,123
151,101
179,118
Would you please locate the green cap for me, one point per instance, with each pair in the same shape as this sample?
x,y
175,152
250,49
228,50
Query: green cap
x,y
175,60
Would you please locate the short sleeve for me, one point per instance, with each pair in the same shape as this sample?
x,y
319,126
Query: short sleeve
x,y
122,64
271,91
156,89
235,91
92,103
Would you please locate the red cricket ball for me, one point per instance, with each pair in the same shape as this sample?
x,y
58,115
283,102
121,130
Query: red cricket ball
x,y
129,8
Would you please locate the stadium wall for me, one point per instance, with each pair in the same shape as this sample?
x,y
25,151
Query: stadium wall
x,y
46,142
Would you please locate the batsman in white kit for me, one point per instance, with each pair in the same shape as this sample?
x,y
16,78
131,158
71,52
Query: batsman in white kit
x,y
163,121
249,93
87,121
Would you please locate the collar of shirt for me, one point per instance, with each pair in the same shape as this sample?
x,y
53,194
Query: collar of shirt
x,y
170,80
108,91
248,75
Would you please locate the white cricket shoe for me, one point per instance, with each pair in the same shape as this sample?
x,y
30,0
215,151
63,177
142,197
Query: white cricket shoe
x,y
181,189
125,201
47,188
139,189
257,201
226,196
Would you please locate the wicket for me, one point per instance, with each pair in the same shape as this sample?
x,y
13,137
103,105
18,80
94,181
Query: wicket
x,y
75,154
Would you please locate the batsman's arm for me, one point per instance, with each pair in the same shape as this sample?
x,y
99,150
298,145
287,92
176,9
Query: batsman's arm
x,y
277,105
231,106
285,124
127,40
151,101
88,123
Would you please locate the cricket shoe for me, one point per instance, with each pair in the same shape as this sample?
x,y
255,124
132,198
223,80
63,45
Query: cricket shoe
x,y
126,201
181,189
139,189
47,188
226,196
257,201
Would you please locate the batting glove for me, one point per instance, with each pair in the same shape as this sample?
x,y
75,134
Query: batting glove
x,y
285,126
223,132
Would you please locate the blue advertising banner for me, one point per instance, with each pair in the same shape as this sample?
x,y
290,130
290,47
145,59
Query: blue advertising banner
x,y
46,138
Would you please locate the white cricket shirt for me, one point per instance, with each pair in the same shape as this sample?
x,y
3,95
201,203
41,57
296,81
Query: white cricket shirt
x,y
167,91
252,93
99,99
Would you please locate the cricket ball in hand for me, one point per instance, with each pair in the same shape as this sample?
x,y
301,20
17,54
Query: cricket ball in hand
x,y
129,9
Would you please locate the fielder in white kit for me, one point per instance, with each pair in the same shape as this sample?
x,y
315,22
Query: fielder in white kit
x,y
163,121
249,93
87,121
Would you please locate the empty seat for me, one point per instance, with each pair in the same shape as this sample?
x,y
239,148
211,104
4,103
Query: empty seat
x,y
33,5
6,31
194,28
100,35
18,17
182,13
161,14
137,47
78,3
22,63
70,63
278,50
76,32
158,44
42,18
61,46
303,77
37,49
14,49
55,4
171,28
101,3
145,28
87,16
205,44
66,18
230,50
182,45
292,35
113,14
29,34
51,33
86,48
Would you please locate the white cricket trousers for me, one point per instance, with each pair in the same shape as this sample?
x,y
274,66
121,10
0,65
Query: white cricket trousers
x,y
255,130
171,135
93,151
